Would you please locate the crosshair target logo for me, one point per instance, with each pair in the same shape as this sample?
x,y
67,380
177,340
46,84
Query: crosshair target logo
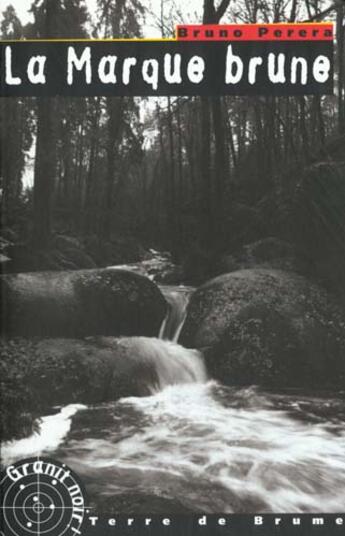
x,y
40,496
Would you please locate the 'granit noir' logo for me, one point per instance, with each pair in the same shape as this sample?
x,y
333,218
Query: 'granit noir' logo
x,y
41,496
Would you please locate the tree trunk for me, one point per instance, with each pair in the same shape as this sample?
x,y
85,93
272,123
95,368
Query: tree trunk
x,y
206,219
303,128
93,154
115,109
211,16
221,164
44,172
172,186
45,162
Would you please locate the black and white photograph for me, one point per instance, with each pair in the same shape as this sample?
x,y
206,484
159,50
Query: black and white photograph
x,y
172,275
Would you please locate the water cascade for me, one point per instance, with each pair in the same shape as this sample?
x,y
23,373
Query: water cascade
x,y
178,299
169,363
198,444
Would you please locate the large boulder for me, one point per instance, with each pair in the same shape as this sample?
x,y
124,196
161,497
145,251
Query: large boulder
x,y
38,374
81,303
267,327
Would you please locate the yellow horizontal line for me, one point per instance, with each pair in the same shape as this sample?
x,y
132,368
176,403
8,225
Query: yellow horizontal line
x,y
153,39
158,39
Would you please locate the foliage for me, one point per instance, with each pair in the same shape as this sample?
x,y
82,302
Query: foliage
x,y
184,174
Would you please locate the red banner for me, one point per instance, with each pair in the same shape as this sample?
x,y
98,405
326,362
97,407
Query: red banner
x,y
256,32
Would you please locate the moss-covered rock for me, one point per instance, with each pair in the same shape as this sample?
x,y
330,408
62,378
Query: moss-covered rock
x,y
267,327
81,303
37,374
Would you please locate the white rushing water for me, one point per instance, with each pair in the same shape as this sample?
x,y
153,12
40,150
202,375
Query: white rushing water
x,y
178,298
217,449
52,430
172,363
195,442
213,448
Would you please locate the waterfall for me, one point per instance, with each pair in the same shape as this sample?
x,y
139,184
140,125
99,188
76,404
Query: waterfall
x,y
173,363
170,363
206,446
178,299
158,363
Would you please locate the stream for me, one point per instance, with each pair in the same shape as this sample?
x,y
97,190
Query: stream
x,y
198,445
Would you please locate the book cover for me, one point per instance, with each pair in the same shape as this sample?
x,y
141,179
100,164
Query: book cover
x,y
172,181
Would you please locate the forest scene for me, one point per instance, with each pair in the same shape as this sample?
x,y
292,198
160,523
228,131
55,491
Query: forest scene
x,y
174,267
199,178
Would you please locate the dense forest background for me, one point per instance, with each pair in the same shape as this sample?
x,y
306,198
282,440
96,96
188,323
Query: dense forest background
x,y
202,178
